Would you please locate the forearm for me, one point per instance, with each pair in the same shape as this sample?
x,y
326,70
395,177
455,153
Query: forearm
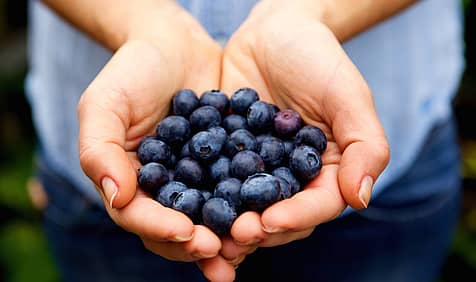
x,y
347,18
111,22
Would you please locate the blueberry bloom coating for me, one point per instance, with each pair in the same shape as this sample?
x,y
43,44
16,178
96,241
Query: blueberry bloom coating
x,y
219,132
287,123
305,163
190,202
286,174
189,172
220,169
174,130
242,99
152,176
153,150
205,146
205,117
238,141
235,122
184,102
206,194
229,189
246,163
260,117
272,152
312,136
260,191
218,215
168,192
217,99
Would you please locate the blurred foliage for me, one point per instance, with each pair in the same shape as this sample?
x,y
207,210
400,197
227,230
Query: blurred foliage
x,y
24,254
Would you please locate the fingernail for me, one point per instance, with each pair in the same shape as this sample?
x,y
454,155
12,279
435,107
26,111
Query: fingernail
x,y
365,190
251,242
110,189
180,239
268,229
201,255
237,260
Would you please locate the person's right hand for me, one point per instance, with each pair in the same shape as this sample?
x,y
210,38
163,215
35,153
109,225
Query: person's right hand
x,y
124,103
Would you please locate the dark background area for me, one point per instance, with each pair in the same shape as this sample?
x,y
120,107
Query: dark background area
x,y
24,254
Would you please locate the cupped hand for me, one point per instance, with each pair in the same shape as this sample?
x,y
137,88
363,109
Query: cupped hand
x,y
295,61
124,103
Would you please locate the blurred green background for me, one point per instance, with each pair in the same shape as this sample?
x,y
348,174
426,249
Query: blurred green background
x,y
24,254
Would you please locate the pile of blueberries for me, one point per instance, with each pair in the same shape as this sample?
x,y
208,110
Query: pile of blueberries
x,y
215,157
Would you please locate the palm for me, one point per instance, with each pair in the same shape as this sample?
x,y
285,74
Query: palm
x,y
305,69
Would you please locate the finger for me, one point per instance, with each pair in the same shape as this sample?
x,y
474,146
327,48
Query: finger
x,y
147,218
247,229
240,70
359,134
204,244
217,269
277,239
102,154
320,201
117,109
324,85
206,75
233,252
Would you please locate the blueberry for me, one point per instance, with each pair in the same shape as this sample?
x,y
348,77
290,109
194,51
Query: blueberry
x,y
260,117
246,163
151,176
171,174
275,109
238,141
219,169
185,152
285,189
287,123
184,102
229,189
204,146
234,122
189,172
217,99
190,202
305,163
260,191
286,174
242,99
153,150
204,117
174,130
272,152
219,132
260,138
312,136
172,161
169,191
289,146
218,215
206,194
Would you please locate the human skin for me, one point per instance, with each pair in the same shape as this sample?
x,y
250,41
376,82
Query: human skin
x,y
125,102
290,51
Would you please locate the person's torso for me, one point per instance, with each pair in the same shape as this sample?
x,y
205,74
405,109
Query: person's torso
x,y
412,63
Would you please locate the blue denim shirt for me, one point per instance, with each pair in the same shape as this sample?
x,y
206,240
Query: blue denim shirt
x,y
412,62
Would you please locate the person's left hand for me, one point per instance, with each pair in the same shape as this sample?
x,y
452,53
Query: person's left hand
x,y
295,61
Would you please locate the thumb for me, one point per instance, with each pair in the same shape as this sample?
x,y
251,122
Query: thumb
x,y
101,151
359,134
